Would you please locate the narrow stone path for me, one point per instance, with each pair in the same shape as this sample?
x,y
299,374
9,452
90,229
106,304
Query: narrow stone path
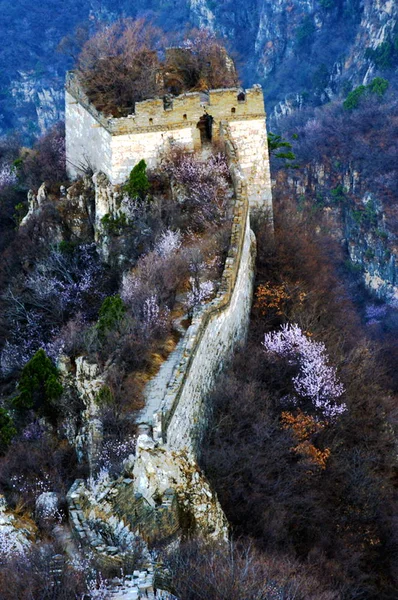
x,y
157,387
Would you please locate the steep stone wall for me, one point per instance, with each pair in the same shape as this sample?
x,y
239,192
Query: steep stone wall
x,y
209,345
210,341
87,142
251,146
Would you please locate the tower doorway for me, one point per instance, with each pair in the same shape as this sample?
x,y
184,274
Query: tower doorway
x,y
205,126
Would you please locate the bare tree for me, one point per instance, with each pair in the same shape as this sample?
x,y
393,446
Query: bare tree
x,y
120,66
200,63
200,571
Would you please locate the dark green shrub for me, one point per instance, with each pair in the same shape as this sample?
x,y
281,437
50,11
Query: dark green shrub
x,y
21,210
321,77
327,4
378,86
114,225
370,214
354,268
111,314
39,386
67,248
305,32
338,193
105,397
138,183
7,429
358,216
383,56
383,235
354,97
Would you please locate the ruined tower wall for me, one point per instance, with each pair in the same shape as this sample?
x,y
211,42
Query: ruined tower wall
x,y
148,146
115,145
88,144
250,138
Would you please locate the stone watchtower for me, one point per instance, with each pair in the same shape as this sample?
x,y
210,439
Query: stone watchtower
x,y
193,120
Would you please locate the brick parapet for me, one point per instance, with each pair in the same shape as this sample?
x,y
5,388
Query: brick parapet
x,y
152,116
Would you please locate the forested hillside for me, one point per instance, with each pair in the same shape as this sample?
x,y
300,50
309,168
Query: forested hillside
x,y
345,175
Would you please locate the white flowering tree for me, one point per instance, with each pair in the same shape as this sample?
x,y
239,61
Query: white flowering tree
x,y
7,175
168,242
202,186
316,379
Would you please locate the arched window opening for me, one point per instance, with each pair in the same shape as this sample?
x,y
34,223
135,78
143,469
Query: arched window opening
x,y
241,96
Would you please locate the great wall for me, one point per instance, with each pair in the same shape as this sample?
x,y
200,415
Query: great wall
x,y
162,486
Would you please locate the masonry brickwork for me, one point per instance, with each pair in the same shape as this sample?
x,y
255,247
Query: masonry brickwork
x,y
115,145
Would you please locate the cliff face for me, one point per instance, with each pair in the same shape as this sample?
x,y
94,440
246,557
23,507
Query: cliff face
x,y
377,29
38,101
362,221
301,50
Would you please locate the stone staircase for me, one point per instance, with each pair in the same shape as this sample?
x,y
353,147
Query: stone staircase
x,y
110,535
132,587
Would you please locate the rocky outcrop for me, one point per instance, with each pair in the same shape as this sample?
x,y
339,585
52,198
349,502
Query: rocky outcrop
x,y
89,383
86,381
69,213
16,533
161,473
161,496
107,199
372,247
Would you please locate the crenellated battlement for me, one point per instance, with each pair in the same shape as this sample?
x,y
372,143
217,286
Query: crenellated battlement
x,y
227,104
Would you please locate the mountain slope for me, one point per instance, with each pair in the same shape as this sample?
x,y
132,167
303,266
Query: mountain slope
x,y
301,51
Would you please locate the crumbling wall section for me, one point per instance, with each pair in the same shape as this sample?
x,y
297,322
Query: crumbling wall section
x,y
215,331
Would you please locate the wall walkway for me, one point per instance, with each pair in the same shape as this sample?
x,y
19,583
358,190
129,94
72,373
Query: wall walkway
x,y
216,329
